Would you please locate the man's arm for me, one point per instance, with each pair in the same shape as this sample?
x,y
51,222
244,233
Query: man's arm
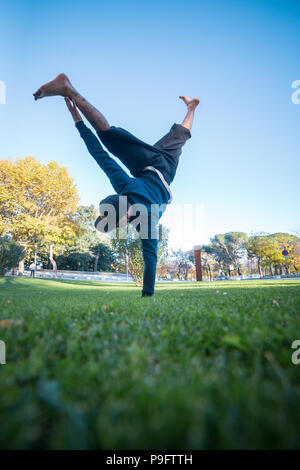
x,y
149,248
117,176
149,245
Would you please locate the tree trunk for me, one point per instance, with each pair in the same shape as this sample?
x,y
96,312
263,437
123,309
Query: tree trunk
x,y
53,262
287,269
21,268
179,272
96,262
186,272
258,266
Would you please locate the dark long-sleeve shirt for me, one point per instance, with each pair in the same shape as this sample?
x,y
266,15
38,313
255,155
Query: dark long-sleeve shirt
x,y
147,190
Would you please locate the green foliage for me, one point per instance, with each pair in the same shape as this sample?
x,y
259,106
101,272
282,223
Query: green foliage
x,y
75,261
228,250
228,253
37,202
127,248
11,253
94,366
104,258
88,251
84,218
98,258
210,265
267,250
163,247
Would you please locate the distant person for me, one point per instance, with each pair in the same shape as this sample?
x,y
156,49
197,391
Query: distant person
x,y
153,168
32,268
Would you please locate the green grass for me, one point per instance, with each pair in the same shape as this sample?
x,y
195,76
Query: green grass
x,y
92,365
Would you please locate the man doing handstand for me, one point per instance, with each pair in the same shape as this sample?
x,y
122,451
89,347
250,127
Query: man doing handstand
x,y
153,168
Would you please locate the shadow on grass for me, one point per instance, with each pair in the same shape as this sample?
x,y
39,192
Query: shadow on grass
x,y
93,283
23,286
8,281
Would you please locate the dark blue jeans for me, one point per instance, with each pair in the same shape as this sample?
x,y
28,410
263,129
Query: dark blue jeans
x,y
136,154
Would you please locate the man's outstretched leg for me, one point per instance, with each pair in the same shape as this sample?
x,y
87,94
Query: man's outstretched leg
x,y
171,143
61,86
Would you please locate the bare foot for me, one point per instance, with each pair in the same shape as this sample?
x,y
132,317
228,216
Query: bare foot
x,y
61,85
191,104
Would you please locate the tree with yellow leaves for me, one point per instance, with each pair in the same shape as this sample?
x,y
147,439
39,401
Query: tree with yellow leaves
x,y
37,202
267,249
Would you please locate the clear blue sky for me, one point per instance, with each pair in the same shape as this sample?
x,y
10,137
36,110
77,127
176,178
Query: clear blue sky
x,y
132,60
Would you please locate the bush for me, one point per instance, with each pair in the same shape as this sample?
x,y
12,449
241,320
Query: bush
x,y
11,253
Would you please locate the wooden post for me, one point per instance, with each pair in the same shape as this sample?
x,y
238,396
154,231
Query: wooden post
x,y
197,252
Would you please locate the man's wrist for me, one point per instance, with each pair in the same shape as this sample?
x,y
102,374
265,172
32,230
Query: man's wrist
x,y
78,121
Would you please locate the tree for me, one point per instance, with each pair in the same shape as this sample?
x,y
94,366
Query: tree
x,y
86,252
295,263
184,261
11,253
37,202
104,258
262,248
237,245
127,248
162,249
98,258
209,264
296,252
267,250
228,250
87,235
